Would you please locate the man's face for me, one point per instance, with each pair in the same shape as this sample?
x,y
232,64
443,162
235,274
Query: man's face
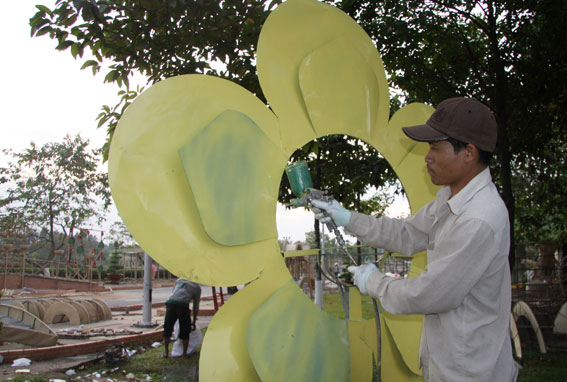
x,y
445,168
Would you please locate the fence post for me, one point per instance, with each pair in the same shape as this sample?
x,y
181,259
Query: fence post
x,y
23,267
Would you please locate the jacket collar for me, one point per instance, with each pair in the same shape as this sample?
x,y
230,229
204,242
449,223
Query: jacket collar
x,y
457,202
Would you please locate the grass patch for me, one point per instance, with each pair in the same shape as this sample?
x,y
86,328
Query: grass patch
x,y
29,378
549,367
149,363
152,364
146,362
332,304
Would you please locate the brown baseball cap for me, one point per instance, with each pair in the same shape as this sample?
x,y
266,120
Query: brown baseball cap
x,y
464,119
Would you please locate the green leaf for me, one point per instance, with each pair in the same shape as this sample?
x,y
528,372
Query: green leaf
x,y
125,80
75,50
89,63
81,50
112,76
44,9
64,45
43,31
102,121
70,20
37,22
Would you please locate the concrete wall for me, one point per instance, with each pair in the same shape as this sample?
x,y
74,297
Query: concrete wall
x,y
48,283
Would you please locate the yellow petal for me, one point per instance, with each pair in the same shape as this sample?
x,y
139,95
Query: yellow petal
x,y
291,339
395,145
296,30
224,354
363,340
149,185
394,365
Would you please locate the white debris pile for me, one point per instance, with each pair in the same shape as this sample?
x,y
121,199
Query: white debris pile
x,y
95,332
21,362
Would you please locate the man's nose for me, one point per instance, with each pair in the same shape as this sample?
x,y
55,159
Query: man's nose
x,y
428,157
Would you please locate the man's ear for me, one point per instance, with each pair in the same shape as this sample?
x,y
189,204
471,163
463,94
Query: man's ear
x,y
471,153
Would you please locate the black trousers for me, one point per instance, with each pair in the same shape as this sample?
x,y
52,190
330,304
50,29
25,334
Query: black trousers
x,y
174,312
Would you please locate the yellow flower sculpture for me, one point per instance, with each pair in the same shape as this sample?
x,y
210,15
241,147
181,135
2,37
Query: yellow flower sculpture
x,y
195,166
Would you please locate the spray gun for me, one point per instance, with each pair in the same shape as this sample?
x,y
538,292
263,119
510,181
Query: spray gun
x,y
302,187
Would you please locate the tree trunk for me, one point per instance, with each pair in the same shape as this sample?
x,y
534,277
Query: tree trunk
x,y
358,249
500,108
51,236
317,184
508,197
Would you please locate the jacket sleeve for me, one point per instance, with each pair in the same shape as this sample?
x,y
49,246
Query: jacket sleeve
x,y
196,297
406,236
467,255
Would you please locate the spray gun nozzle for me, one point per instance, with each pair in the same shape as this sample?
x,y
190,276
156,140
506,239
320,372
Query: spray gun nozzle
x,y
299,202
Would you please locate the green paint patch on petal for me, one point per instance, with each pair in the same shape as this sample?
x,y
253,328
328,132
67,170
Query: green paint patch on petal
x,y
290,339
232,167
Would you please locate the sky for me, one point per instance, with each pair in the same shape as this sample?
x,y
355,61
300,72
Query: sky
x,y
46,96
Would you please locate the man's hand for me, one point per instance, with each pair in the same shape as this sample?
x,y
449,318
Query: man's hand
x,y
325,211
361,274
193,326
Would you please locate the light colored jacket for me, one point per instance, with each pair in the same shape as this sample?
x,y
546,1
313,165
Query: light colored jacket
x,y
465,292
184,292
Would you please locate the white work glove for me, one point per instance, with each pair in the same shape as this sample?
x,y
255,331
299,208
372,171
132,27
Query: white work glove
x,y
333,210
361,274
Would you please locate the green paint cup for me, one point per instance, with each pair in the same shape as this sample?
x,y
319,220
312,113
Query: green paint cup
x,y
299,178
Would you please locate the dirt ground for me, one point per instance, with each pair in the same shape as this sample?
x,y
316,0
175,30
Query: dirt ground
x,y
122,323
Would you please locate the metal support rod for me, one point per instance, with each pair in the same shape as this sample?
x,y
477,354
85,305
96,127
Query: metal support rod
x,y
318,271
215,302
23,268
147,308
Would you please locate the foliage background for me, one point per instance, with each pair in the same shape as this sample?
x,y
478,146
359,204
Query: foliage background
x,y
509,54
